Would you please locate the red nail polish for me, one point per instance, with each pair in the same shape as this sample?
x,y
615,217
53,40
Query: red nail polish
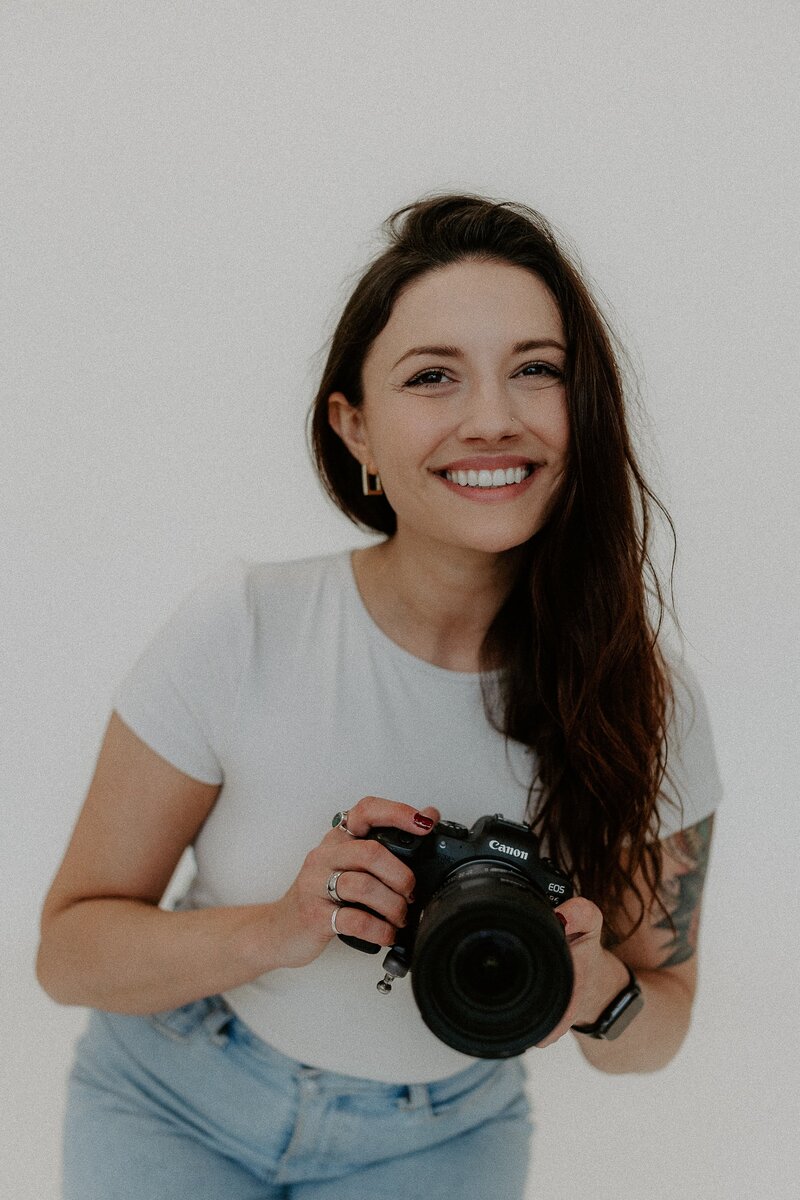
x,y
423,821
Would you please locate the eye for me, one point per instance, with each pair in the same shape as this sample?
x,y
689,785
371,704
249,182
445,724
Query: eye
x,y
542,373
419,380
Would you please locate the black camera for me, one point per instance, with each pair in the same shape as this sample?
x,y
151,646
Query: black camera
x,y
492,973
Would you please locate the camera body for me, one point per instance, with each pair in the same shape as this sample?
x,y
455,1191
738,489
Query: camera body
x,y
450,847
491,974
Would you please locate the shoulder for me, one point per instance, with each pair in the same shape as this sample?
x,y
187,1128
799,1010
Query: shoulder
x,y
241,588
692,787
689,723
181,694
295,574
293,591
218,619
687,688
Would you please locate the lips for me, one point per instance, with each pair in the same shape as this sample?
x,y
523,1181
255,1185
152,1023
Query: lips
x,y
487,462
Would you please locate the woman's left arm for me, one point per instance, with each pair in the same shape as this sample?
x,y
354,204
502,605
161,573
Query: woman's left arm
x,y
663,959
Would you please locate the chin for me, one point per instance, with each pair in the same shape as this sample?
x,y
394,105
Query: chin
x,y
485,533
493,542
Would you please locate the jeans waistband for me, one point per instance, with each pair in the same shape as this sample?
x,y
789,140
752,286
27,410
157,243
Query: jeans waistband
x,y
221,1023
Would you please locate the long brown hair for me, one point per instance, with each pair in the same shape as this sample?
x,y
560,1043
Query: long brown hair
x,y
583,682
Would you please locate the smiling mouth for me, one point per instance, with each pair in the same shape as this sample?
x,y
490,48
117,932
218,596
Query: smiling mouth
x,y
489,479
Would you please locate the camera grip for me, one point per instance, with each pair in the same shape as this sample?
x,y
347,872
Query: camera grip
x,y
359,943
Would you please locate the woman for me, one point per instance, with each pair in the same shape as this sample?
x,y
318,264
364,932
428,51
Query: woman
x,y
492,654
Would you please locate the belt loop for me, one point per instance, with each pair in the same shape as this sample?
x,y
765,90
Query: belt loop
x,y
418,1096
217,1022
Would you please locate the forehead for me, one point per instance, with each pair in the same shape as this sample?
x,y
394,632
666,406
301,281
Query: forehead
x,y
475,305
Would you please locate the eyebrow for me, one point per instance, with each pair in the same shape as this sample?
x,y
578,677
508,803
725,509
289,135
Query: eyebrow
x,y
454,352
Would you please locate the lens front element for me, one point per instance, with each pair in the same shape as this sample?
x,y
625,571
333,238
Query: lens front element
x,y
491,968
491,973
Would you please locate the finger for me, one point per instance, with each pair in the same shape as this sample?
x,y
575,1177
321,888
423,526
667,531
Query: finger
x,y
354,922
580,918
368,857
359,888
374,811
365,855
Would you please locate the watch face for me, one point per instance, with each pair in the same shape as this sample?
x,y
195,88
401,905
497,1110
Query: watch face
x,y
619,1014
618,1021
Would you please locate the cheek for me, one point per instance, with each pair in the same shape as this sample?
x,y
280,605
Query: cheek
x,y
404,439
553,428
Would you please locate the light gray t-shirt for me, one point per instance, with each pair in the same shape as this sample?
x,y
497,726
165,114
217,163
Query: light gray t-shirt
x,y
274,681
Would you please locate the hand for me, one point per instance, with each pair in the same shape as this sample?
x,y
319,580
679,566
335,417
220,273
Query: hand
x,y
599,975
370,875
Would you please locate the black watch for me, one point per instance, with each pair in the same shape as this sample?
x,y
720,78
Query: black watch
x,y
616,1018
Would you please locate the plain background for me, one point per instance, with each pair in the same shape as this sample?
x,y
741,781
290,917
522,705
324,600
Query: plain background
x,y
188,193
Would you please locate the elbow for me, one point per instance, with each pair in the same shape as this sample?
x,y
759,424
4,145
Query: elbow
x,y
52,964
648,1064
647,1060
49,979
44,976
651,1042
666,1054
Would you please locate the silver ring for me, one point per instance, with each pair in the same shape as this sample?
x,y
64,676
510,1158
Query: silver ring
x,y
334,912
340,821
330,887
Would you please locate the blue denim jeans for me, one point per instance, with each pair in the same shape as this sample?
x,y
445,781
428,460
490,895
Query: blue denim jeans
x,y
192,1104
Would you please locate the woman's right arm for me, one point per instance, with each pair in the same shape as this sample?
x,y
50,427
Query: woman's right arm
x,y
106,944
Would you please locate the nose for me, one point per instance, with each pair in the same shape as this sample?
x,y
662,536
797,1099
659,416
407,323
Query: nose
x,y
489,415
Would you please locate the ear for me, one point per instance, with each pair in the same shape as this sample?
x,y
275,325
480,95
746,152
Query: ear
x,y
348,422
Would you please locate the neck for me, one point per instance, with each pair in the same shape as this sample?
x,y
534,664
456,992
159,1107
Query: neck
x,y
437,605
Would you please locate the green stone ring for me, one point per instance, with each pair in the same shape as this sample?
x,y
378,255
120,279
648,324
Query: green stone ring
x,y
340,821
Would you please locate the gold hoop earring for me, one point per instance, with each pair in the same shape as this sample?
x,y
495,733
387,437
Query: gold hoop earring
x,y
368,487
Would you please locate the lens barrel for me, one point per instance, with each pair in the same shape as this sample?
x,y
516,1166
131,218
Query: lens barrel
x,y
491,973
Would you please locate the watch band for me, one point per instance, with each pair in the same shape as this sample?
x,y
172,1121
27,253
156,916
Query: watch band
x,y
614,1019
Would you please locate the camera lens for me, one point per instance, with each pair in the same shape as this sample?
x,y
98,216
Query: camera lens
x,y
491,971
490,968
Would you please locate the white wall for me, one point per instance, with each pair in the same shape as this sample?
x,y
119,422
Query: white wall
x,y
187,190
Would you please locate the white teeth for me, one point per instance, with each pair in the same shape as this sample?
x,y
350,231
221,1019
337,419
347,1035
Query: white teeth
x,y
489,479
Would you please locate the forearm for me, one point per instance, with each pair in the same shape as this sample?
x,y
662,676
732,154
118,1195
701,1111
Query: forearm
x,y
655,1034
129,956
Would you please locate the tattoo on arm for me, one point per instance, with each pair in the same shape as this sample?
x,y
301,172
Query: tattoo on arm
x,y
682,889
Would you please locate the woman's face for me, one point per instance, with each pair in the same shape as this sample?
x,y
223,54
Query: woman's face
x,y
464,413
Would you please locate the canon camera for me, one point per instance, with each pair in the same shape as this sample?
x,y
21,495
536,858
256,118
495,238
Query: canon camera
x,y
490,968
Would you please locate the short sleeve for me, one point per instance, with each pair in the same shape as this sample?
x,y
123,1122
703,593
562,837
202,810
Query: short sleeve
x,y
179,696
692,772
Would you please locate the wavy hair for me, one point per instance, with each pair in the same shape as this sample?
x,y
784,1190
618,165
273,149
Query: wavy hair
x,y
583,683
